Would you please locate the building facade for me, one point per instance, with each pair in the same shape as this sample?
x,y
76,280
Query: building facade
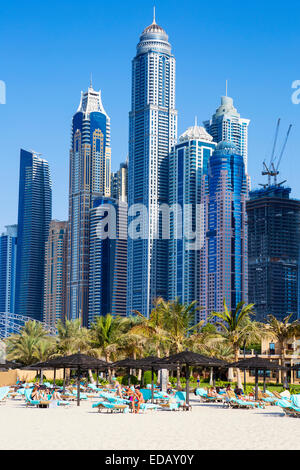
x,y
152,133
34,216
90,160
187,164
223,258
274,245
227,125
8,263
119,183
108,258
55,273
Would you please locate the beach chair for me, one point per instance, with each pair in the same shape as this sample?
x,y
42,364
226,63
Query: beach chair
x,y
118,407
4,391
234,402
147,394
265,398
30,402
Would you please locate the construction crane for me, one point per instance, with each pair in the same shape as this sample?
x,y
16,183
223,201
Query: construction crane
x,y
271,171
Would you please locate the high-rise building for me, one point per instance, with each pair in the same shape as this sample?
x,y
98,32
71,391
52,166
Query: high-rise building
x,y
119,183
152,133
34,216
224,255
55,273
273,248
187,164
8,262
227,125
90,159
108,258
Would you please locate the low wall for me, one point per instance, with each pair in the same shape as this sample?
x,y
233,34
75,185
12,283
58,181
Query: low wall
x,y
10,377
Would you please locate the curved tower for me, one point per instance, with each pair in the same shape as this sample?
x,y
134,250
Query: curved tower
x,y
224,256
152,133
89,178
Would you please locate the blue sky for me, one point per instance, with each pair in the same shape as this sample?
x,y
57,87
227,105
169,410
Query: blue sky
x,y
49,49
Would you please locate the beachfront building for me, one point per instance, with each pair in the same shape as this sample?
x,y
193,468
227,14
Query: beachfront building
x,y
224,255
8,263
90,159
119,183
227,125
108,258
55,273
273,249
188,162
34,217
152,133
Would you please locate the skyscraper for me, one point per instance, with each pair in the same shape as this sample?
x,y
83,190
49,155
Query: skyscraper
x,y
152,133
108,258
90,158
34,216
188,163
8,262
55,273
119,183
227,125
224,255
274,246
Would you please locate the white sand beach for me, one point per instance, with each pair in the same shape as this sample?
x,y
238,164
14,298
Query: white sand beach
x,y
207,426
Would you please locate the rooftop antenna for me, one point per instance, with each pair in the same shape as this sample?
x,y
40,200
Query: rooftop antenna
x,y
91,81
226,87
196,121
154,22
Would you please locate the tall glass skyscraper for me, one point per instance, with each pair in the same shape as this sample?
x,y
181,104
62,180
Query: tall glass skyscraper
x,y
274,249
108,258
152,133
8,262
90,159
188,163
227,125
34,216
224,256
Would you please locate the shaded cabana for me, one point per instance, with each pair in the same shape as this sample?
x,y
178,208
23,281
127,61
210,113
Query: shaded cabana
x,y
6,365
189,359
257,364
78,361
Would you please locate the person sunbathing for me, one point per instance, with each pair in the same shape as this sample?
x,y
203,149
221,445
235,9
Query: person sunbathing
x,y
212,392
55,396
119,390
35,393
130,396
139,399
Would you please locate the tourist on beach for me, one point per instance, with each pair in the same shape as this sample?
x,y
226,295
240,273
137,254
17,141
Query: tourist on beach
x,y
238,391
212,392
35,393
138,396
119,389
130,396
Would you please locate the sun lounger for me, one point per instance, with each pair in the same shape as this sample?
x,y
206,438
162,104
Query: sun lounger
x,y
30,402
4,391
234,402
102,405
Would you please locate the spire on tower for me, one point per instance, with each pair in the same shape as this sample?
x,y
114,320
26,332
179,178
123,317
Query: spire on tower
x,y
91,81
154,22
226,87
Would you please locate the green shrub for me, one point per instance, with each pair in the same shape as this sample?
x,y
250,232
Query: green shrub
x,y
148,377
133,380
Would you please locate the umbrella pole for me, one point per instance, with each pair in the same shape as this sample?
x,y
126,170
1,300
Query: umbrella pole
x,y
78,386
128,372
256,384
214,376
264,380
152,385
97,380
64,383
142,381
187,385
54,377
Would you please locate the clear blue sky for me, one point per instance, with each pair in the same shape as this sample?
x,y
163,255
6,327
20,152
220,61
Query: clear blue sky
x,y
49,49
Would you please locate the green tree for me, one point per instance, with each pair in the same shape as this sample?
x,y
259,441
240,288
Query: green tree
x,y
24,347
238,328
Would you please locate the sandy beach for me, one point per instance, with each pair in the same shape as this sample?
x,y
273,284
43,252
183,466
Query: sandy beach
x,y
207,426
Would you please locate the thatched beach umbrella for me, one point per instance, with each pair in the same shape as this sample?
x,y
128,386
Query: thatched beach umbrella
x,y
188,359
257,363
76,361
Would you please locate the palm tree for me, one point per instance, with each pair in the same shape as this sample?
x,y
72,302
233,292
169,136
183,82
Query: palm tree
x,y
23,347
282,331
104,334
152,328
72,337
238,328
179,323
